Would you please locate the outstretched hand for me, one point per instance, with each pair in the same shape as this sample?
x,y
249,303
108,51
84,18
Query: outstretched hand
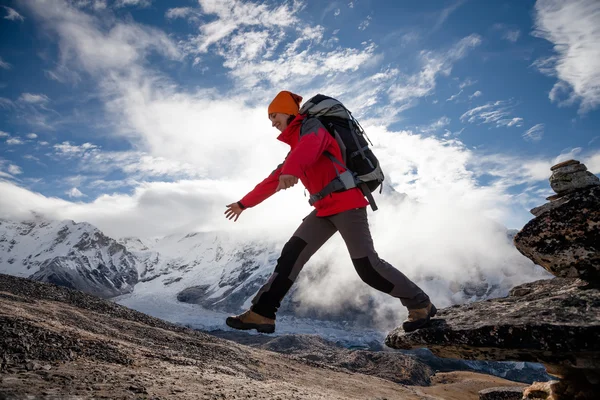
x,y
286,181
233,210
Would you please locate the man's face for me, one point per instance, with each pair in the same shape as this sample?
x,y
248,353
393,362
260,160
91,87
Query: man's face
x,y
279,120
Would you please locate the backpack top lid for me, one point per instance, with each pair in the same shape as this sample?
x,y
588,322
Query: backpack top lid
x,y
321,105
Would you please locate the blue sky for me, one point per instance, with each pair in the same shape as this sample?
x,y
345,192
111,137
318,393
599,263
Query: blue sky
x,y
129,111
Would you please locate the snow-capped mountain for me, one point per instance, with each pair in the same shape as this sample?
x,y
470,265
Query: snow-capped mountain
x,y
77,256
215,270
210,269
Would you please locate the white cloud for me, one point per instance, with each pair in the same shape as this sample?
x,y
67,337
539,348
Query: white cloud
x,y
126,3
68,150
454,96
474,95
512,35
31,157
445,13
365,24
466,83
43,143
100,46
535,133
498,113
235,14
433,65
74,193
34,98
13,15
351,5
180,12
4,64
6,103
14,141
4,134
337,12
574,29
32,136
435,125
14,170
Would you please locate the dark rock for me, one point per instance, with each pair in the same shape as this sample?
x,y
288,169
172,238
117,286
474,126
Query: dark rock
x,y
564,182
502,393
566,240
555,321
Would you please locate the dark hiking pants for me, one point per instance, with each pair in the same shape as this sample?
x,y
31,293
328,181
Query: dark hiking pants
x,y
310,236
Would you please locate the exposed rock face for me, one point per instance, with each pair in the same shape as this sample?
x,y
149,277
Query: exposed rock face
x,y
74,255
501,393
555,322
564,238
570,176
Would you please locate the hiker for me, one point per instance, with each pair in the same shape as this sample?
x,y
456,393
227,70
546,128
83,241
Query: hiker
x,y
345,211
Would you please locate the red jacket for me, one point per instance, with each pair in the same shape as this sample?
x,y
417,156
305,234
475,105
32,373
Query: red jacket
x,y
307,162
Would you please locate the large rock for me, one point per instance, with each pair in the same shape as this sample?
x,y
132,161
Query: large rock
x,y
502,393
566,239
555,322
570,176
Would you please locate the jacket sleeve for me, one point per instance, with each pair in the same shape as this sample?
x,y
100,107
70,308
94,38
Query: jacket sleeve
x,y
263,190
314,140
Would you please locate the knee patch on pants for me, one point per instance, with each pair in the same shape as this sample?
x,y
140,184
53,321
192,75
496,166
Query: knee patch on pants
x,y
289,255
370,276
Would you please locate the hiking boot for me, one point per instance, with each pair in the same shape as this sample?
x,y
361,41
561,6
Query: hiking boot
x,y
418,318
251,320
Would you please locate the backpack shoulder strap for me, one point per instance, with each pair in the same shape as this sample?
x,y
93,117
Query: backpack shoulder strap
x,y
310,125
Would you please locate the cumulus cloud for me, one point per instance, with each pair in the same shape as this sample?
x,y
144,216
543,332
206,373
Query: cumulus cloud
x,y
498,113
14,141
574,29
14,169
32,136
96,46
535,133
4,134
74,193
13,15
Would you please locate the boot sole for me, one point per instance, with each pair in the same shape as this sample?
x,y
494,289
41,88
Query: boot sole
x,y
413,326
237,324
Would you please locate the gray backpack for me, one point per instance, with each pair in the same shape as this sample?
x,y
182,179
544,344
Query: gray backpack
x,y
362,167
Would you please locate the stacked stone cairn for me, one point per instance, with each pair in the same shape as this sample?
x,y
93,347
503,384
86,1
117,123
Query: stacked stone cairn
x,y
555,321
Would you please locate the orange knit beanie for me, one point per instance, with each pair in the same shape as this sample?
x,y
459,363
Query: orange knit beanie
x,y
285,102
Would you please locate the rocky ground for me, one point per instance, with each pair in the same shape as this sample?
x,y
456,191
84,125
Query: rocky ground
x,y
61,344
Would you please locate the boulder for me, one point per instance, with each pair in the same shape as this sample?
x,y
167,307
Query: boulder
x,y
565,239
555,322
502,393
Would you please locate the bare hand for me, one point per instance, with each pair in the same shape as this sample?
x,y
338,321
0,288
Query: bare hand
x,y
233,210
286,181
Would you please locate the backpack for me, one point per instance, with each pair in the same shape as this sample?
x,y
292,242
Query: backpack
x,y
362,167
